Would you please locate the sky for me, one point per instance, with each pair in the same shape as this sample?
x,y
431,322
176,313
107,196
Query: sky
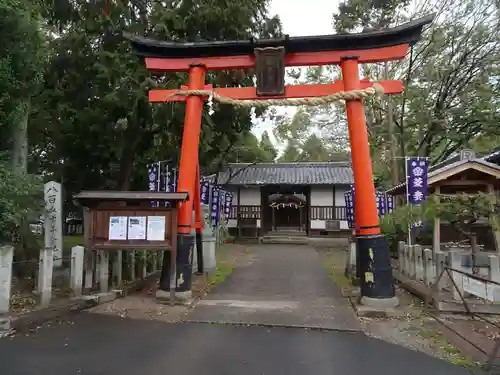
x,y
300,20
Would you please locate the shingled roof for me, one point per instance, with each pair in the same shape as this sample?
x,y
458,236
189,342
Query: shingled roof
x,y
299,173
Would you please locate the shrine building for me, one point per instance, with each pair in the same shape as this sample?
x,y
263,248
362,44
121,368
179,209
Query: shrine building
x,y
288,198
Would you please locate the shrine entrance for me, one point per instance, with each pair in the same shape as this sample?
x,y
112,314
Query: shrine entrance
x,y
285,209
269,58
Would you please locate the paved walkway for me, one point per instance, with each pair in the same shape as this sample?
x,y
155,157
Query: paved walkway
x,y
285,285
95,344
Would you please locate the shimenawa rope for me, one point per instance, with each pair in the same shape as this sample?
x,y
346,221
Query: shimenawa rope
x,y
375,90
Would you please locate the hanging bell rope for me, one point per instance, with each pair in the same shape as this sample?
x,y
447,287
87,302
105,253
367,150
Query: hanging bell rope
x,y
376,90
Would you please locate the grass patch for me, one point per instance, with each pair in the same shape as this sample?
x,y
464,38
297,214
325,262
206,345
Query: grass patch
x,y
336,275
334,264
454,355
226,257
221,274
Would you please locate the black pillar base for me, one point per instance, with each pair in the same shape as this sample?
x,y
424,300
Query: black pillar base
x,y
374,267
184,265
199,253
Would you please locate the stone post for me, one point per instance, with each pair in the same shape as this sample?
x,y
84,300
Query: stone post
x,y
406,260
103,267
89,269
6,257
53,220
413,261
419,266
45,276
494,268
440,265
117,267
77,262
428,267
457,285
144,264
132,265
401,255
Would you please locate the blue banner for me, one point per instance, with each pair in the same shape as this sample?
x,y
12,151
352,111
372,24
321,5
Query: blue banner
x,y
205,188
380,198
385,204
349,207
228,204
215,209
222,204
389,203
416,180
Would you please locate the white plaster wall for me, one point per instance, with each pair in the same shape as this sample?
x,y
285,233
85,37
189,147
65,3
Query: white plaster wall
x,y
249,196
318,224
340,202
323,196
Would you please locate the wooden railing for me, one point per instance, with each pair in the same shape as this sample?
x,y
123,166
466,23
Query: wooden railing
x,y
315,212
327,213
245,212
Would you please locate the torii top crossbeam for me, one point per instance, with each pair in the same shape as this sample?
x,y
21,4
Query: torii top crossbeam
x,y
369,47
269,59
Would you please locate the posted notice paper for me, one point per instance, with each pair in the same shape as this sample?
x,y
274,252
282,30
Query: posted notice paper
x,y
137,227
117,228
156,228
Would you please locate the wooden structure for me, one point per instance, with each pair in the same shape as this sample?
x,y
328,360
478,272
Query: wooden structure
x,y
109,217
462,173
271,57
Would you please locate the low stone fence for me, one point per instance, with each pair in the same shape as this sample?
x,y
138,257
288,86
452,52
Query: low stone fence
x,y
84,277
424,265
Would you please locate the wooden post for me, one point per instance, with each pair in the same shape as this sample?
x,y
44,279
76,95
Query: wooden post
x,y
436,238
496,233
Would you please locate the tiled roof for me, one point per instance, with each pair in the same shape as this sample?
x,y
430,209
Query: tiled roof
x,y
299,173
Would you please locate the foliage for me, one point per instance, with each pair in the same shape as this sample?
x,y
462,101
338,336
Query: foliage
x,y
451,101
20,198
304,138
22,48
396,225
461,211
94,128
21,56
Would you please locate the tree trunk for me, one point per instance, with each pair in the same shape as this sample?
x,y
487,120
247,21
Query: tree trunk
x,y
27,248
20,142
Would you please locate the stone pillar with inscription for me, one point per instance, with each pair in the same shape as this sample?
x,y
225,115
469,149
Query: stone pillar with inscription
x,y
53,220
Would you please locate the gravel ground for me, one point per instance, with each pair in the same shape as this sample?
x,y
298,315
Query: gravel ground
x,y
410,328
143,305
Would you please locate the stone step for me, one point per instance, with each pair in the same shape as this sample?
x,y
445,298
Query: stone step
x,y
300,240
286,234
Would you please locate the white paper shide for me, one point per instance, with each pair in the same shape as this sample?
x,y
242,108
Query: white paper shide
x,y
117,228
156,228
137,228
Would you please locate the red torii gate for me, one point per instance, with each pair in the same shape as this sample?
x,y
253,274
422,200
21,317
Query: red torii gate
x,y
269,58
